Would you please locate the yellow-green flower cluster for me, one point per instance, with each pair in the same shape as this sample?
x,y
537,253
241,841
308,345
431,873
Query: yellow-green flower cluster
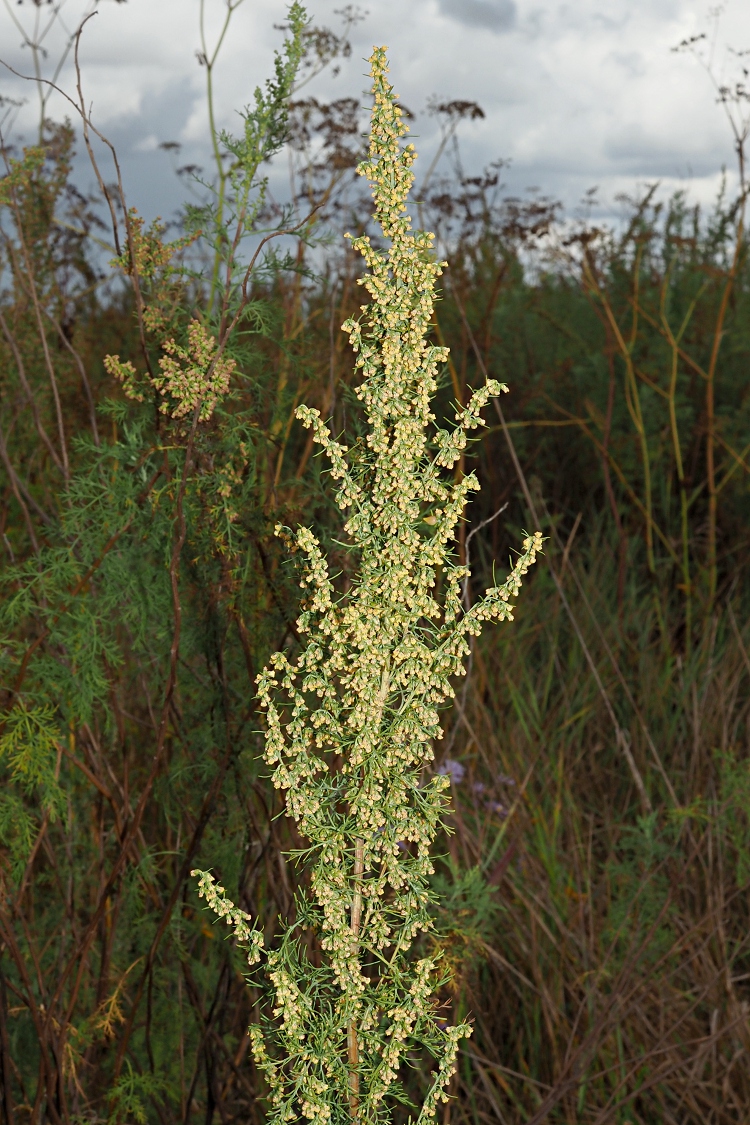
x,y
351,721
193,375
189,376
250,939
402,1020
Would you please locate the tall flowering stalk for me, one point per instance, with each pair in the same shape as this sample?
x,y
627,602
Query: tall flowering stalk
x,y
351,722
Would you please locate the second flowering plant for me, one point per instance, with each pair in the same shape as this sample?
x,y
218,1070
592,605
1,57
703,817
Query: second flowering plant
x,y
351,721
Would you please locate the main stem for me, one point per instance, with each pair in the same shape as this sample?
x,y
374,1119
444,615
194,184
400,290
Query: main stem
x,y
209,63
352,1040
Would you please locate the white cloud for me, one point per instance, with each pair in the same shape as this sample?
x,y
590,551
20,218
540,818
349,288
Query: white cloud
x,y
147,144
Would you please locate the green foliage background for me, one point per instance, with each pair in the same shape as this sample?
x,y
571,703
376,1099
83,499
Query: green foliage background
x,y
594,883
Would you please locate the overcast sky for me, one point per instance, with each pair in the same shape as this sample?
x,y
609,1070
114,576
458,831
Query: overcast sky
x,y
576,94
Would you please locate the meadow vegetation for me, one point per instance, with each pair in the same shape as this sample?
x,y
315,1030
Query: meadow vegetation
x,y
591,883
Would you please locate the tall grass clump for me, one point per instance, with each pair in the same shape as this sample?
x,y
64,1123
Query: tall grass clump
x,y
600,761
352,717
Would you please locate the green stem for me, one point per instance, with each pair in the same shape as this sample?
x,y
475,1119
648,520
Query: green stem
x,y
209,61
674,342
352,1040
710,410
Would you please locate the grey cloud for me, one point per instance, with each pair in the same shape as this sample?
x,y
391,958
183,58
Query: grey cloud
x,y
151,182
632,150
497,15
